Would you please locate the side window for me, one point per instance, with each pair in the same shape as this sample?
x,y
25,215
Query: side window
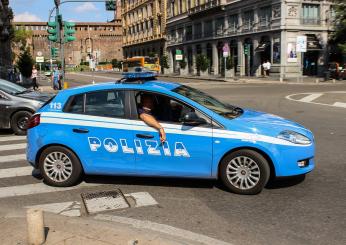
x,y
75,105
164,108
109,103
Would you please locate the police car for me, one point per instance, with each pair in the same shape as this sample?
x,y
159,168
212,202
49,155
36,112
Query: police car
x,y
96,130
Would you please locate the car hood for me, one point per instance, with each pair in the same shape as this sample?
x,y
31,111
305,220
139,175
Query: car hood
x,y
34,95
269,124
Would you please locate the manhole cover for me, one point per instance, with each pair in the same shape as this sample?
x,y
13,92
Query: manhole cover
x,y
104,201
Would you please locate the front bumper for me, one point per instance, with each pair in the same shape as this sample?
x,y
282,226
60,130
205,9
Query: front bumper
x,y
288,160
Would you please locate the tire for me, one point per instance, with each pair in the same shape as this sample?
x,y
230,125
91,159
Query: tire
x,y
19,122
244,172
69,167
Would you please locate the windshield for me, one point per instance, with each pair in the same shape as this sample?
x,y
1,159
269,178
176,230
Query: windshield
x,y
11,88
209,102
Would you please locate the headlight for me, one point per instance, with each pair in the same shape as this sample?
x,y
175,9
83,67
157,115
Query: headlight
x,y
294,137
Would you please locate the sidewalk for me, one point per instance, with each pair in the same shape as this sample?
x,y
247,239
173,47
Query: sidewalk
x,y
256,80
87,230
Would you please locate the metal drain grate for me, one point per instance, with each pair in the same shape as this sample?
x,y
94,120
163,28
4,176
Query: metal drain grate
x,y
96,202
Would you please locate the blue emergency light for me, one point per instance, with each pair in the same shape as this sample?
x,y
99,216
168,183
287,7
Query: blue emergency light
x,y
139,73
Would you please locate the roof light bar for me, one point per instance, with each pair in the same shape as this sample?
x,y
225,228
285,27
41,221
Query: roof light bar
x,y
139,73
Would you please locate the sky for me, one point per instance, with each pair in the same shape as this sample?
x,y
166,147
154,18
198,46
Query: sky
x,y
38,10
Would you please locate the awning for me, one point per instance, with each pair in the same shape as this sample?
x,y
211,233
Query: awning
x,y
262,47
313,43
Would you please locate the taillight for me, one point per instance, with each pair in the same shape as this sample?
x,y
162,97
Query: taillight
x,y
34,121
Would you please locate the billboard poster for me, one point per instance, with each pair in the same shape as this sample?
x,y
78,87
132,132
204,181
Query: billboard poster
x,y
291,53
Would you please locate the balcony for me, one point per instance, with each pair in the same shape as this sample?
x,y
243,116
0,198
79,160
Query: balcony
x,y
210,6
310,21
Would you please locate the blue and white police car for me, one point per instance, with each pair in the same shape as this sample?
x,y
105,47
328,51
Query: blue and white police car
x,y
96,130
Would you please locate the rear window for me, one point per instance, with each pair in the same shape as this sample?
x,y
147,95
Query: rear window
x,y
76,104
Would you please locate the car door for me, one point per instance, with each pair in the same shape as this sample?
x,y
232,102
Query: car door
x,y
187,150
5,103
105,139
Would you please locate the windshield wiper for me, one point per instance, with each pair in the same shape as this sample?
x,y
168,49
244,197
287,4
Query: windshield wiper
x,y
234,111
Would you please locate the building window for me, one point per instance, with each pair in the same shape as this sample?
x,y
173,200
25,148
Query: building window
x,y
311,14
188,33
220,26
208,28
265,16
276,51
198,30
248,20
233,23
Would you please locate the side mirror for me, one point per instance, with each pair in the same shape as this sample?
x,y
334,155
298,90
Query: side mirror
x,y
191,119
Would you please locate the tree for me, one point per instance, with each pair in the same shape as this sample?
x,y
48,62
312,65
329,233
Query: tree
x,y
25,63
339,36
202,62
164,62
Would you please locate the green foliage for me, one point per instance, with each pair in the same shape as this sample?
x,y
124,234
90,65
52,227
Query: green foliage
x,y
20,37
164,62
152,54
202,62
25,63
182,64
116,64
339,36
229,63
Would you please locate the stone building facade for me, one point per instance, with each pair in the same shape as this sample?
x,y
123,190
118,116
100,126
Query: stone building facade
x,y
268,29
102,40
144,27
6,15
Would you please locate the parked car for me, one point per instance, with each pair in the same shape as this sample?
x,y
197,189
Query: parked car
x,y
337,70
17,104
97,130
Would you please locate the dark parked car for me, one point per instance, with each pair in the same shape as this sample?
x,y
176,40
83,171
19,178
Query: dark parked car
x,y
337,70
17,104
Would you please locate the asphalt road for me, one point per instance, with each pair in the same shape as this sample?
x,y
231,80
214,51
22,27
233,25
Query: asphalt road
x,y
292,211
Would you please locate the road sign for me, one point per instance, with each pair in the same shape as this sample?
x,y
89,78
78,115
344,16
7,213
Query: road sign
x,y
178,51
39,59
178,57
39,53
301,44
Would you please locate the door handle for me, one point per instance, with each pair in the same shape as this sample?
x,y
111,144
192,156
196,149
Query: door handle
x,y
145,136
80,130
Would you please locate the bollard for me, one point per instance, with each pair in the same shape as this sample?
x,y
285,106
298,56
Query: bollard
x,y
35,226
65,85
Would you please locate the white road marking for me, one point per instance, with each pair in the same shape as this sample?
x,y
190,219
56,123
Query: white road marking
x,y
142,199
12,158
16,172
12,147
39,188
166,229
12,138
339,104
310,97
71,209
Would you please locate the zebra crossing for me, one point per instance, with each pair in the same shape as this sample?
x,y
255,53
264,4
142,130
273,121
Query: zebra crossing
x,y
14,167
12,150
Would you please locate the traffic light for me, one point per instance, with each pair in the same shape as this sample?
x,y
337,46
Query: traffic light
x,y
69,31
111,6
53,30
54,52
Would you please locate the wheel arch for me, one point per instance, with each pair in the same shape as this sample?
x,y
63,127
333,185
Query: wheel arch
x,y
19,110
39,152
263,153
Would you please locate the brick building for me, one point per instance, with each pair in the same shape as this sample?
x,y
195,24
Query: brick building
x,y
6,15
144,27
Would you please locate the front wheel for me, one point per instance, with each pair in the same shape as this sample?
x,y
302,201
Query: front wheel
x,y
245,172
60,167
19,122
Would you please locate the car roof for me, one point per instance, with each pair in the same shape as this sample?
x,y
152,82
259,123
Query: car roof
x,y
155,85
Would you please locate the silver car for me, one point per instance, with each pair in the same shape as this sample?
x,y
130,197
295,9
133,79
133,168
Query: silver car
x,y
17,104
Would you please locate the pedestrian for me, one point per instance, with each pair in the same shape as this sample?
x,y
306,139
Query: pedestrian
x,y
55,79
264,66
268,66
34,78
60,78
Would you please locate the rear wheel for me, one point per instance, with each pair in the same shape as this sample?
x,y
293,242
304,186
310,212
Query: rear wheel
x,y
19,122
245,172
60,167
